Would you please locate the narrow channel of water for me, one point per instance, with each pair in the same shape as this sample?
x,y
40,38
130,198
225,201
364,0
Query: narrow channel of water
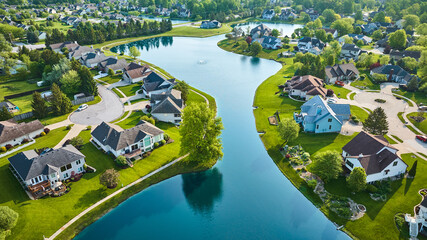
x,y
244,196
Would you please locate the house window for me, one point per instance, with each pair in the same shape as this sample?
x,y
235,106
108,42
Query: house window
x,y
177,121
66,167
317,126
330,120
395,163
134,147
78,162
330,127
386,172
147,142
52,175
66,175
177,115
350,164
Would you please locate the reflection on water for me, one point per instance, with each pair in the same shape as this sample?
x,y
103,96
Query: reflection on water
x,y
145,44
202,190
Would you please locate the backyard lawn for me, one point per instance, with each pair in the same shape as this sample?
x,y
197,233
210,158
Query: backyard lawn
x,y
111,79
420,125
358,112
130,90
366,82
339,91
23,103
16,87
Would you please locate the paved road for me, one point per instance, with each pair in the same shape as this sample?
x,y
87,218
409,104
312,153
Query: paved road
x,y
109,109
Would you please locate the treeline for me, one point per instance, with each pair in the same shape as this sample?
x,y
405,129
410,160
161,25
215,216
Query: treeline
x,y
88,33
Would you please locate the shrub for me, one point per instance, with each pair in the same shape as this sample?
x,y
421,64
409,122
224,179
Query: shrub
x,y
353,117
356,121
25,140
146,154
163,142
312,183
89,128
371,188
156,145
46,130
287,156
379,100
330,93
148,119
42,134
68,127
77,142
8,146
166,137
3,149
121,161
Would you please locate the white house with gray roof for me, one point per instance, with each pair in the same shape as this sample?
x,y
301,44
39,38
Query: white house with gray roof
x,y
167,106
130,143
39,172
156,84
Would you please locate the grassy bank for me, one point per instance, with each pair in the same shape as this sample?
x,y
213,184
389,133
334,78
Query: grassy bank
x,y
420,125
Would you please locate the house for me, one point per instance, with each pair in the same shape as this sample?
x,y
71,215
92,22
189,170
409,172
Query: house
x,y
167,106
14,133
268,14
210,24
8,105
397,55
135,73
260,31
375,155
112,63
269,42
184,13
42,35
350,51
312,13
399,23
366,40
39,174
156,84
287,13
319,117
394,73
57,47
92,59
131,143
418,223
80,51
334,32
369,28
341,72
305,87
307,43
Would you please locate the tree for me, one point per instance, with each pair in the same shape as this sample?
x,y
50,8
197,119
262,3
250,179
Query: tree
x,y
317,24
421,29
397,39
411,21
4,45
77,142
348,39
379,17
5,114
200,131
134,52
32,36
121,161
413,84
366,60
148,119
60,103
244,46
39,106
88,84
329,15
255,48
379,77
377,34
184,88
321,34
8,220
330,61
376,123
275,33
408,63
110,178
358,16
327,165
357,179
288,130
110,72
343,26
357,30
384,59
70,82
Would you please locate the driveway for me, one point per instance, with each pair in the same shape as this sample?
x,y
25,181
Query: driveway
x,y
109,109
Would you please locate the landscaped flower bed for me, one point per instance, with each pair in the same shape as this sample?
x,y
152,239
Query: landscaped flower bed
x,y
296,155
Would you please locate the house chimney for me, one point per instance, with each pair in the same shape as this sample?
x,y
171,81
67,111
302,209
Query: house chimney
x,y
390,76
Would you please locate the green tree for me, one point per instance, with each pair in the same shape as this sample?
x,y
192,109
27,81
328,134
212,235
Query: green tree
x,y
288,130
110,72
379,17
331,60
408,63
77,142
366,60
5,114
357,30
321,34
148,119
4,45
377,34
88,84
413,84
411,21
244,45
255,48
327,165
397,39
200,131
60,103
275,33
376,123
134,52
39,106
317,24
384,59
379,77
357,179
358,16
421,29
184,88
70,82
121,161
109,178
343,26
329,15
8,220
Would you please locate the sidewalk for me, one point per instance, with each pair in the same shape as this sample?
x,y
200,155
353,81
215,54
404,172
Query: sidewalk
x,y
74,131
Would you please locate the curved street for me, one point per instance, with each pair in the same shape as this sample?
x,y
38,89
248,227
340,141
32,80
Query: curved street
x,y
109,109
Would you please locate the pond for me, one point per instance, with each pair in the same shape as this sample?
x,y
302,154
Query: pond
x,y
245,196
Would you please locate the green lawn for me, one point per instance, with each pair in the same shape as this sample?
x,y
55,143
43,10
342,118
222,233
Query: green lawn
x,y
58,25
389,139
360,113
420,125
194,98
132,120
188,31
365,82
23,103
16,87
130,90
339,91
417,97
397,138
112,79
352,96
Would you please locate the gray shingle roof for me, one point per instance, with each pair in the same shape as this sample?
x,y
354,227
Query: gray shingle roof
x,y
10,130
29,164
170,102
6,104
339,70
155,82
106,134
79,51
113,63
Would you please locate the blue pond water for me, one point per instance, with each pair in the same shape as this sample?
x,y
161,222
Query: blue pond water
x,y
244,196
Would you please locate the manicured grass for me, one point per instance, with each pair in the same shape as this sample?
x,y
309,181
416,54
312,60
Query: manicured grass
x,y
16,87
23,103
131,121
352,96
188,31
400,116
406,100
397,138
58,25
417,97
420,125
123,116
422,154
118,93
360,113
390,140
139,100
367,109
339,91
130,90
111,79
366,83
194,98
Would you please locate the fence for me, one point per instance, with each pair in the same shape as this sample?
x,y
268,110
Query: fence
x,y
82,100
26,93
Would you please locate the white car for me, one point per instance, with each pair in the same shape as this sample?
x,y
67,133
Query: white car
x,y
82,107
332,100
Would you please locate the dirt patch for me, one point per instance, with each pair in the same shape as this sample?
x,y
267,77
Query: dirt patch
x,y
273,120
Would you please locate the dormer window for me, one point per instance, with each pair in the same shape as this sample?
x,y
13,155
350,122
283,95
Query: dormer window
x,y
395,163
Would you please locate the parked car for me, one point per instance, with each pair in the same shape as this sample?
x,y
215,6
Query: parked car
x,y
422,138
339,83
82,107
422,108
332,100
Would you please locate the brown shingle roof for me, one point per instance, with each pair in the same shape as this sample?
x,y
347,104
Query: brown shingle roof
x,y
377,162
308,83
366,144
134,70
10,130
